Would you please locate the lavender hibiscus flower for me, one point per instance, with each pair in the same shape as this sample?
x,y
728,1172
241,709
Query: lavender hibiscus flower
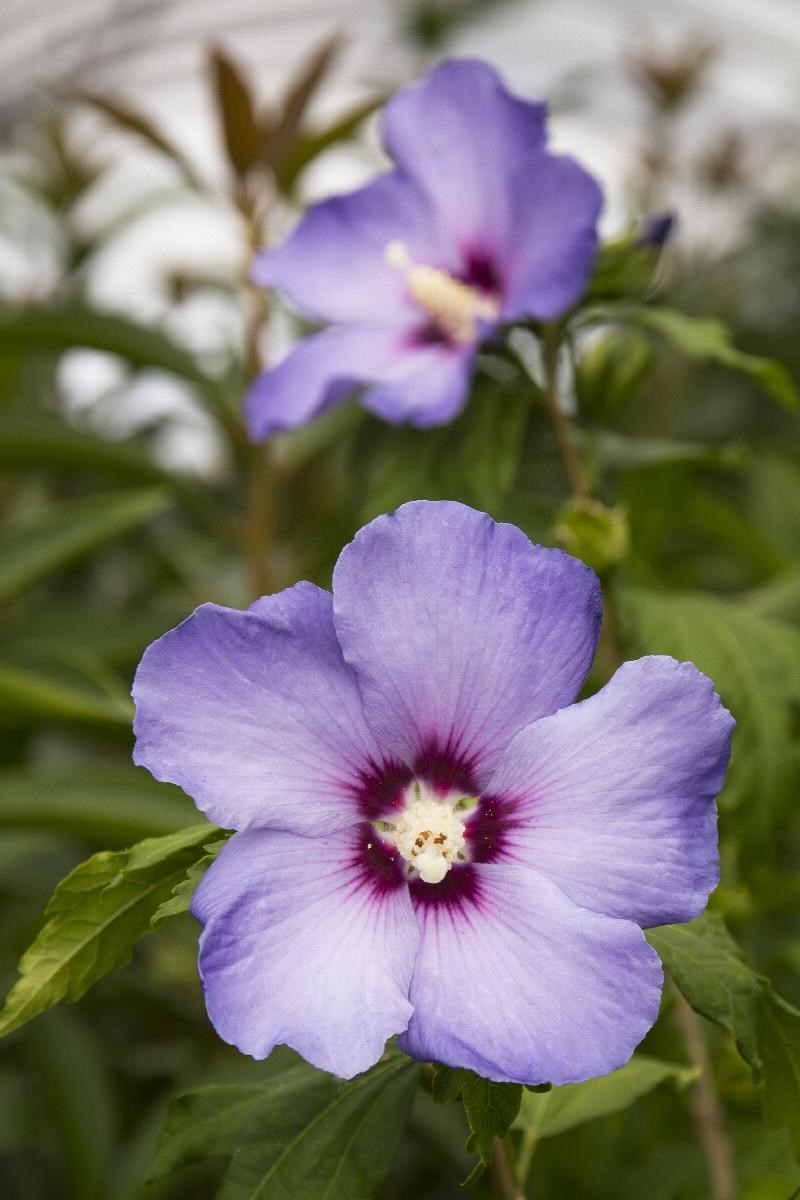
x,y
478,226
431,843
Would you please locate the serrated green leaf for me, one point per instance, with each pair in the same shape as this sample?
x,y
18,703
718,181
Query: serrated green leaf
x,y
33,548
183,891
755,665
448,1082
93,919
108,806
707,339
562,1108
710,970
491,1108
301,1135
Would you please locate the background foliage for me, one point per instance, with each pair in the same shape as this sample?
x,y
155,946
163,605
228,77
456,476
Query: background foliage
x,y
692,444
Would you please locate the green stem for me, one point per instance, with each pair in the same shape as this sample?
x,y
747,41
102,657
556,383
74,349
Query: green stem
x,y
504,1183
574,467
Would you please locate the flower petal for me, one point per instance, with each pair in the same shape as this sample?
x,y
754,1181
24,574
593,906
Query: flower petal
x,y
552,237
517,983
426,387
613,799
306,943
459,133
461,631
256,715
318,372
333,265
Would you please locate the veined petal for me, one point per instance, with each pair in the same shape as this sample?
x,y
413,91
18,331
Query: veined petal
x,y
551,239
333,265
257,716
516,982
308,942
613,799
318,372
427,386
459,133
461,632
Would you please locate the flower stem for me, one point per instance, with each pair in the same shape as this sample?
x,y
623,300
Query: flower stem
x,y
573,464
504,1184
707,1113
259,523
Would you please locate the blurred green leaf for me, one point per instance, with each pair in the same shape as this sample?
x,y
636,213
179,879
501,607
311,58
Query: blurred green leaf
x,y
710,969
93,919
75,1088
37,546
301,1135
707,339
104,805
610,372
307,146
561,1108
284,132
779,1041
130,120
755,665
242,128
38,440
66,326
35,693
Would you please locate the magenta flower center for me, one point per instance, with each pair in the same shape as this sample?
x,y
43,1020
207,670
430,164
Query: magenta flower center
x,y
455,307
429,831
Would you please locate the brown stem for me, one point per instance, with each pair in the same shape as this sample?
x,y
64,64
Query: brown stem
x,y
504,1185
259,525
707,1114
574,468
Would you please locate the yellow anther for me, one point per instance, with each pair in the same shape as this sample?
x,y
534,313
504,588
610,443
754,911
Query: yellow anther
x,y
453,305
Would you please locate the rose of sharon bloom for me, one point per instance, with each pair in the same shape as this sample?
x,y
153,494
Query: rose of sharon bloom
x,y
478,226
433,839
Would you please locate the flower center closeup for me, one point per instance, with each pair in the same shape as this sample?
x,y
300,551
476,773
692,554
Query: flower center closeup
x,y
456,307
429,832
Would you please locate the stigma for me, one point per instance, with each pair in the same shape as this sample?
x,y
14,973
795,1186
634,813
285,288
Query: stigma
x,y
455,306
429,833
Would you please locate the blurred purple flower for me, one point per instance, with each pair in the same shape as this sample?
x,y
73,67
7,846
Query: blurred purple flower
x,y
478,226
657,229
431,843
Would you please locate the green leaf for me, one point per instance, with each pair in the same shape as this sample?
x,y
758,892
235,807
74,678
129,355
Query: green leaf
x,y
34,547
448,1082
38,440
130,120
32,695
307,147
66,326
284,132
104,805
709,340
710,970
300,1135
94,917
183,891
755,665
779,1040
562,1108
242,128
491,1109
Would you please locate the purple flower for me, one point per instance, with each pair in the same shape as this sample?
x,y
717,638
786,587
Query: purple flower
x,y
434,841
478,226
